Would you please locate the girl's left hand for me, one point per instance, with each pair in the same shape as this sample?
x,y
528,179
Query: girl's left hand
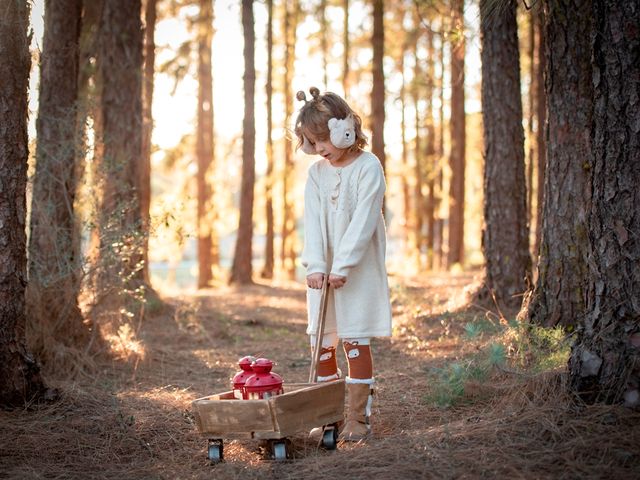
x,y
337,281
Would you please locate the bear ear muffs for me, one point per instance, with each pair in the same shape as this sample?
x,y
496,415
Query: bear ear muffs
x,y
342,132
307,147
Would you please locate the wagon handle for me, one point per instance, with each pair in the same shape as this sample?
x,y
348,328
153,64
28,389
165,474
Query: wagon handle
x,y
322,313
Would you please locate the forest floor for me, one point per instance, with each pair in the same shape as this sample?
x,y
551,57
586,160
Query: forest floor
x,y
132,417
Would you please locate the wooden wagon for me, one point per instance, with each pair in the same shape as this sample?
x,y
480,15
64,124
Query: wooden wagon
x,y
301,407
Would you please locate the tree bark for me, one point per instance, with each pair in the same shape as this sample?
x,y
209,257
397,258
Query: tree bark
x,y
346,47
605,357
505,234
150,15
439,249
430,152
531,53
418,213
458,140
88,105
205,145
20,380
541,120
241,270
406,195
288,250
324,42
54,262
120,72
559,294
377,92
267,271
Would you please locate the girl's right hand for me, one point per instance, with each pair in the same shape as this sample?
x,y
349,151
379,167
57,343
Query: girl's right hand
x,y
315,280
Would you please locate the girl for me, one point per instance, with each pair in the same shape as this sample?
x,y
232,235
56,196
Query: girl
x,y
344,238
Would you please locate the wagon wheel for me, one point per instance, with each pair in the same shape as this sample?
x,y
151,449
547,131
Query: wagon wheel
x,y
280,450
330,437
214,452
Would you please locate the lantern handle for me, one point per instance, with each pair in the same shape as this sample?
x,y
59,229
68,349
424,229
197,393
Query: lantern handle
x,y
322,313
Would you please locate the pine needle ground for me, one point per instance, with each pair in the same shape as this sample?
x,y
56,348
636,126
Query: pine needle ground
x,y
131,418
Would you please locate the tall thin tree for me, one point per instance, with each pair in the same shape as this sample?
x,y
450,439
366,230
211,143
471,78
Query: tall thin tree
x,y
439,249
406,195
558,296
505,233
324,41
377,91
458,138
345,47
267,271
430,150
241,269
205,145
606,352
288,255
120,72
418,156
54,263
20,379
531,54
150,16
541,120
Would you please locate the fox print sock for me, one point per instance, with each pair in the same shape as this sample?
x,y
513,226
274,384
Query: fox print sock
x,y
359,359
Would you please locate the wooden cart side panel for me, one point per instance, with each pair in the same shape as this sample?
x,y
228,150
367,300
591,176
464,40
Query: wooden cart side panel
x,y
310,407
221,417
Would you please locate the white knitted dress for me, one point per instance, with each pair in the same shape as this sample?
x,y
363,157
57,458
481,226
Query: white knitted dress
x,y
345,234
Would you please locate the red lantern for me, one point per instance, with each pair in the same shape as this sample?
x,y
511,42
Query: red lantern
x,y
241,377
263,383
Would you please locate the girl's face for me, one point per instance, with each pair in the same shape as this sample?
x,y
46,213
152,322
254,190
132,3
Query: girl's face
x,y
325,148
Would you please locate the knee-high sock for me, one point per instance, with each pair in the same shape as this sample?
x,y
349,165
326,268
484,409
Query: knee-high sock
x,y
328,364
358,353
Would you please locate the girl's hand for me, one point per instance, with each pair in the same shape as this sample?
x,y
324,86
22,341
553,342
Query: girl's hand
x,y
337,281
315,280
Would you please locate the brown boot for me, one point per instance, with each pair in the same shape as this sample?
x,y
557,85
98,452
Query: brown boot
x,y
357,424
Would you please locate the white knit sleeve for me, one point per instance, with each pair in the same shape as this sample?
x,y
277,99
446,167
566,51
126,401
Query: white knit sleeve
x,y
313,257
354,243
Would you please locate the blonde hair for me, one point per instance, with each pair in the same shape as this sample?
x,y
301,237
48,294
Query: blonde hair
x,y
315,114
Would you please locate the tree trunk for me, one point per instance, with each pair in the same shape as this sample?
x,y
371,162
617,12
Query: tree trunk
x,y
288,251
267,272
605,357
457,156
559,295
418,214
120,72
377,92
88,108
324,42
505,234
147,130
205,144
406,196
541,120
346,47
241,270
531,54
441,159
20,380
430,152
54,262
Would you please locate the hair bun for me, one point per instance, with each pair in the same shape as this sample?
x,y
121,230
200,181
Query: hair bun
x,y
301,96
315,93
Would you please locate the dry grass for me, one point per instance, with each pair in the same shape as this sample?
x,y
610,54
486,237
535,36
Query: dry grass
x,y
132,418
